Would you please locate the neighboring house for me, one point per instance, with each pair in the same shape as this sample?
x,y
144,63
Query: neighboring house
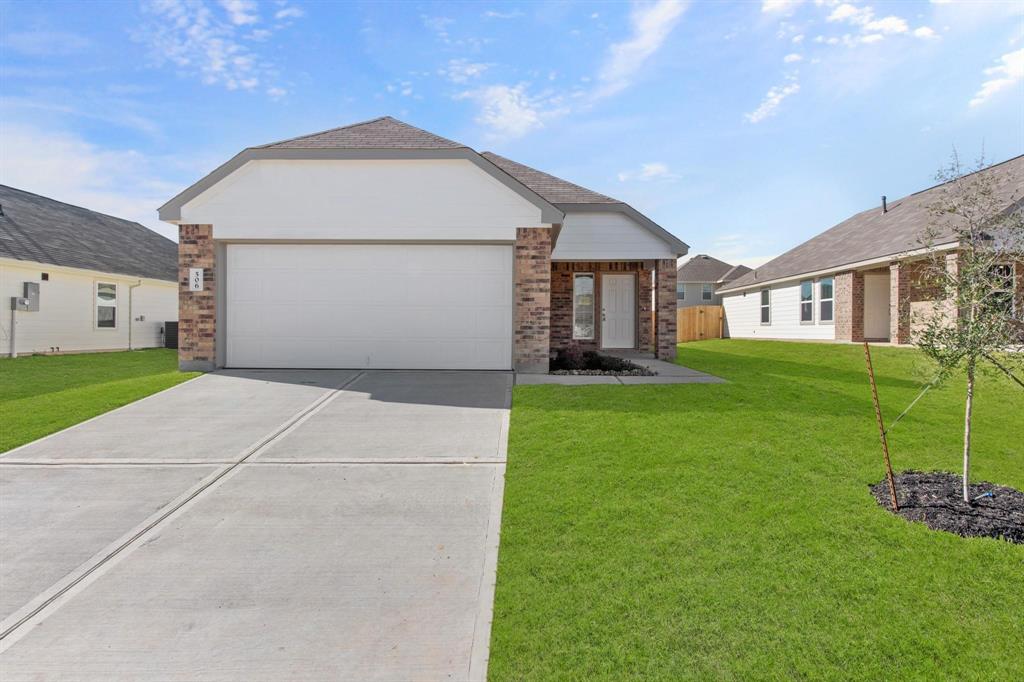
x,y
84,281
860,280
699,279
380,245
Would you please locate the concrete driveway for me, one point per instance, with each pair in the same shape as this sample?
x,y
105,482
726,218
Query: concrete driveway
x,y
260,525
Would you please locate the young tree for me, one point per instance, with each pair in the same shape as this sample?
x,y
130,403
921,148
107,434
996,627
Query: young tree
x,y
972,322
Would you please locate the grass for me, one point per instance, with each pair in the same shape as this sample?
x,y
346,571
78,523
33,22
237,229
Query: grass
x,y
727,532
45,393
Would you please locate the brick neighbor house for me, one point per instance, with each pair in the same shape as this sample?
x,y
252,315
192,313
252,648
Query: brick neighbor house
x,y
860,280
380,245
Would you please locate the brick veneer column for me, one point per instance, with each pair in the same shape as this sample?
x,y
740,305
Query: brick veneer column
x,y
849,306
197,310
531,341
899,302
665,309
645,311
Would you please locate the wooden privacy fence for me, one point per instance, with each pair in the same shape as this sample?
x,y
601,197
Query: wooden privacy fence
x,y
698,322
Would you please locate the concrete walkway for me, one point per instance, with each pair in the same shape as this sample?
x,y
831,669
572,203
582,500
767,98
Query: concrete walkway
x,y
260,526
668,373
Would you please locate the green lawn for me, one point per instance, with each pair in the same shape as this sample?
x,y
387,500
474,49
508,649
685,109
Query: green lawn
x,y
42,394
727,532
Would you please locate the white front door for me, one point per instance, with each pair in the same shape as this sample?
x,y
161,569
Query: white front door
x,y
876,306
618,311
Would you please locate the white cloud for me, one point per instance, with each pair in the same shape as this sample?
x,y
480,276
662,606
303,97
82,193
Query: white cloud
x,y
1008,71
289,13
792,57
240,12
45,43
797,39
772,100
197,42
494,14
651,26
462,70
925,32
510,111
779,6
276,93
889,25
63,166
654,170
850,13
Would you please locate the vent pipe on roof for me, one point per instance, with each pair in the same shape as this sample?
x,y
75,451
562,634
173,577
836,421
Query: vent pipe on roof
x,y
885,206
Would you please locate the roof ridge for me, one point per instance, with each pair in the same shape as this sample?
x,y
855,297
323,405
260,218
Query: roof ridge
x,y
83,208
349,126
965,175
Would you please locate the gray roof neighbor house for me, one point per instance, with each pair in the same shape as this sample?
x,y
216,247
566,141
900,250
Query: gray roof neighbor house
x,y
704,268
36,228
875,233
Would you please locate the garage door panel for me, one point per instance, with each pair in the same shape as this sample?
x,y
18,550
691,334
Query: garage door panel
x,y
372,306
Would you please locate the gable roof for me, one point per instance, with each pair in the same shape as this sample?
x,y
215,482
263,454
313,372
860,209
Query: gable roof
x,y
378,133
36,228
702,268
874,234
737,272
555,190
389,138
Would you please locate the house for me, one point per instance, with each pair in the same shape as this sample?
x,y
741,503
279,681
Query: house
x,y
380,245
74,280
699,279
859,280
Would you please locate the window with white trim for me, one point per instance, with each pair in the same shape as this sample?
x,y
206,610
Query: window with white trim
x,y
583,305
106,305
766,306
681,290
826,298
707,291
807,302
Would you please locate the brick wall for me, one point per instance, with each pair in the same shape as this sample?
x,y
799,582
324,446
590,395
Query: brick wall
x,y
665,309
197,310
849,306
532,324
900,277
561,301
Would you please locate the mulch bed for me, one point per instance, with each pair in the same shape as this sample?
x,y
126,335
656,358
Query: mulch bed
x,y
591,363
934,498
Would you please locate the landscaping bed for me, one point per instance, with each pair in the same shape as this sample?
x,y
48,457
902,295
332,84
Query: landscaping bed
x,y
935,499
592,363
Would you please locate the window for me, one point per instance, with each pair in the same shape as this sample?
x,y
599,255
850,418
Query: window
x,y
826,297
766,306
1002,288
583,306
680,290
106,305
807,302
706,291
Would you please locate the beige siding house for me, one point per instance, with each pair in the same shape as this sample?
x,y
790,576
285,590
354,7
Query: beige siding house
x,y
859,280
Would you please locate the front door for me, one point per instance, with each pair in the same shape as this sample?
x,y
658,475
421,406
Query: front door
x,y
618,311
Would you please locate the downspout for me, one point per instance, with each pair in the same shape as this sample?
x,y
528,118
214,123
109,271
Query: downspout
x,y
131,318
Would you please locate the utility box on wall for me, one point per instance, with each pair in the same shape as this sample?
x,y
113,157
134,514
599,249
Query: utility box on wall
x,y
29,300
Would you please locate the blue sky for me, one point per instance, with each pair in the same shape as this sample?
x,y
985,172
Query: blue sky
x,y
744,128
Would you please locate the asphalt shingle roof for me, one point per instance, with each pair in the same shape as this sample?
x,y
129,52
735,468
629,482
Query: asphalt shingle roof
x,y
873,234
702,268
36,228
736,272
379,133
554,190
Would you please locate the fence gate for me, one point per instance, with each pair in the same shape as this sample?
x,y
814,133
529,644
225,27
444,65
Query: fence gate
x,y
698,322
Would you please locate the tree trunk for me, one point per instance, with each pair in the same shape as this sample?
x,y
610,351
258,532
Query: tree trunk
x,y
967,429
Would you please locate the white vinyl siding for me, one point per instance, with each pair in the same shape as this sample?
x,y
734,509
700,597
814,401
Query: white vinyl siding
x,y
429,199
67,310
743,315
373,306
607,236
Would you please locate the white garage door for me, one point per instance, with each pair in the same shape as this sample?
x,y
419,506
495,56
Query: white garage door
x,y
373,306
